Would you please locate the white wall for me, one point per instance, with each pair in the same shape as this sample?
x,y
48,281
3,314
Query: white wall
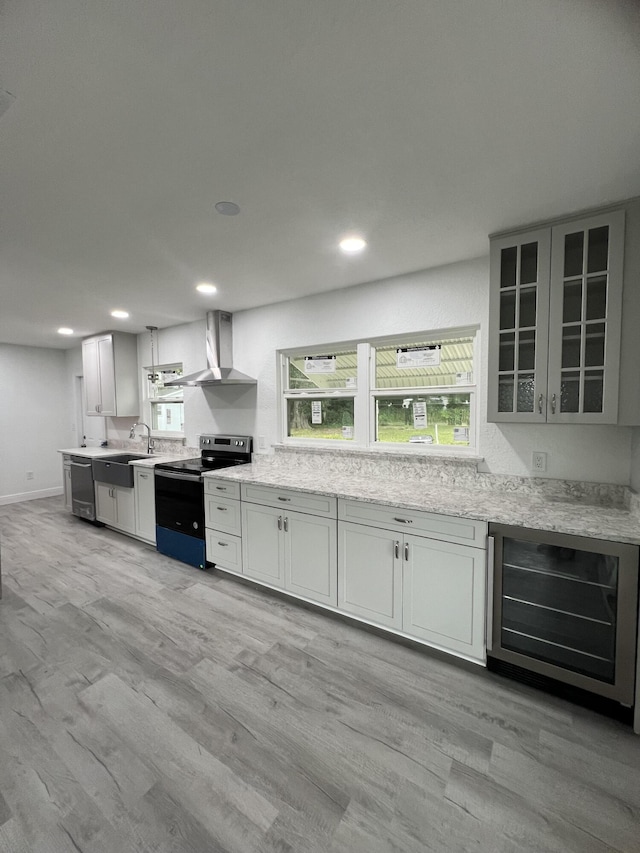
x,y
35,418
455,295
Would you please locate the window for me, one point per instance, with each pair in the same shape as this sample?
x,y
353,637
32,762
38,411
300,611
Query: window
x,y
422,392
320,395
413,391
164,405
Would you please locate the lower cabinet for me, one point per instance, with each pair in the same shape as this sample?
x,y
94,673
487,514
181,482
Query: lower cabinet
x,y
357,557
292,550
145,504
115,506
370,575
427,588
443,594
66,475
223,524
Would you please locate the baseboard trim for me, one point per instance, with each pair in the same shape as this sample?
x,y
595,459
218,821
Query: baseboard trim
x,y
30,496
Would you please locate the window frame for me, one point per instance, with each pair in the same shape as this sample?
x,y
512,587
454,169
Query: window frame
x,y
148,402
366,393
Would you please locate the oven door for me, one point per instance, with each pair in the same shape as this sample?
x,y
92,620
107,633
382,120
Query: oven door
x,y
180,502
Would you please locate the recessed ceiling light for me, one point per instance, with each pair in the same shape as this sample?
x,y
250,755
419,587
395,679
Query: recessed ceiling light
x,y
64,330
121,315
206,287
227,208
352,245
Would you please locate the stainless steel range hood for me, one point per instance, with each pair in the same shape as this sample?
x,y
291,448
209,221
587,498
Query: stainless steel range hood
x,y
219,370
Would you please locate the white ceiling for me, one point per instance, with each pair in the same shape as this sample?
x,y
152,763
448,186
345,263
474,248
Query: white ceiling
x,y
423,124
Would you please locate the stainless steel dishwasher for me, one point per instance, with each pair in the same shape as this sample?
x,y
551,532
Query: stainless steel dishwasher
x,y
83,497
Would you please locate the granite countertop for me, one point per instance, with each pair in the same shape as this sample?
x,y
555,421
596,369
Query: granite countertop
x,y
104,452
521,510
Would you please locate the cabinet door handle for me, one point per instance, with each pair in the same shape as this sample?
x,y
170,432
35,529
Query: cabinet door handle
x,y
404,520
144,476
221,488
222,508
224,544
279,522
406,550
540,398
397,549
553,405
286,524
286,500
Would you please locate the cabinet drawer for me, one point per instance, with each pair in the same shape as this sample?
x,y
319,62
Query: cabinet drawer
x,y
289,499
225,488
224,550
222,514
464,531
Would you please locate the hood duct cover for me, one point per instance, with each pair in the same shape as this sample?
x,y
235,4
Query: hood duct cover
x,y
219,370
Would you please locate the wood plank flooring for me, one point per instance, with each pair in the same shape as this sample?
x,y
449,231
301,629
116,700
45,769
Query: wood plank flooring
x,y
148,706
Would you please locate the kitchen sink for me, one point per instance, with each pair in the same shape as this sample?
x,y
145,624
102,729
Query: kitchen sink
x,y
115,470
125,457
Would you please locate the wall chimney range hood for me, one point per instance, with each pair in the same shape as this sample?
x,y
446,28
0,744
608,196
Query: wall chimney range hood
x,y
219,370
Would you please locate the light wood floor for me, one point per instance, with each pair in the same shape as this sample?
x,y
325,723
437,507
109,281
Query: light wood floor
x,y
148,706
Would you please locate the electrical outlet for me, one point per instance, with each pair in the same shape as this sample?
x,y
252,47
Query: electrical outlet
x,y
538,462
29,475
262,443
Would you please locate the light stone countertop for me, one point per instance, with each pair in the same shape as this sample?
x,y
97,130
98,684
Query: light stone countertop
x,y
104,452
521,510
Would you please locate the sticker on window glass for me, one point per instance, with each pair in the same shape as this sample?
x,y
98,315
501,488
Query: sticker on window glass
x,y
412,357
320,364
419,415
347,432
464,378
461,434
316,412
350,382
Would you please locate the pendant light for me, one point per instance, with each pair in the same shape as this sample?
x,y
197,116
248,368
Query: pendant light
x,y
153,377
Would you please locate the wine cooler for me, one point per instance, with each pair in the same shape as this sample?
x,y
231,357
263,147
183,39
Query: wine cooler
x,y
565,607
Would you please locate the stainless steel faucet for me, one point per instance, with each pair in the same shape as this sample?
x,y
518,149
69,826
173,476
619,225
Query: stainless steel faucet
x,y
150,441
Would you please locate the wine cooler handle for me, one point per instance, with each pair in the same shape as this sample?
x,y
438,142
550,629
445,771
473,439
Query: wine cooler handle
x,y
553,404
540,399
491,553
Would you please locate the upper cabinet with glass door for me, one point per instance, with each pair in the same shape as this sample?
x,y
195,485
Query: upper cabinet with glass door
x,y
555,316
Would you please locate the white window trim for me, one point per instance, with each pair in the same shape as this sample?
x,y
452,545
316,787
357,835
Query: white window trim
x,y
147,404
364,395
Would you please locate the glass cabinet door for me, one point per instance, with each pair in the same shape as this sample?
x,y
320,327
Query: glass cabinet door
x,y
519,323
585,312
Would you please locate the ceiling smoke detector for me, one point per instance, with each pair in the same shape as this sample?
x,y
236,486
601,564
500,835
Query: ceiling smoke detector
x,y
227,208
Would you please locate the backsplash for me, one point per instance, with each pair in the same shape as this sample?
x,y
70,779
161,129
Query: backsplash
x,y
161,447
457,472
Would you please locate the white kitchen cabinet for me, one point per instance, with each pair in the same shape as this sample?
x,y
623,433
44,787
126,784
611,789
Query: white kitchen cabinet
x,y
443,598
262,544
287,548
555,322
310,556
115,506
66,480
370,574
145,503
223,524
110,368
428,584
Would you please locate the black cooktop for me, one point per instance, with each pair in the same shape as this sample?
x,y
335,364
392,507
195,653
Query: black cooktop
x,y
198,465
218,451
